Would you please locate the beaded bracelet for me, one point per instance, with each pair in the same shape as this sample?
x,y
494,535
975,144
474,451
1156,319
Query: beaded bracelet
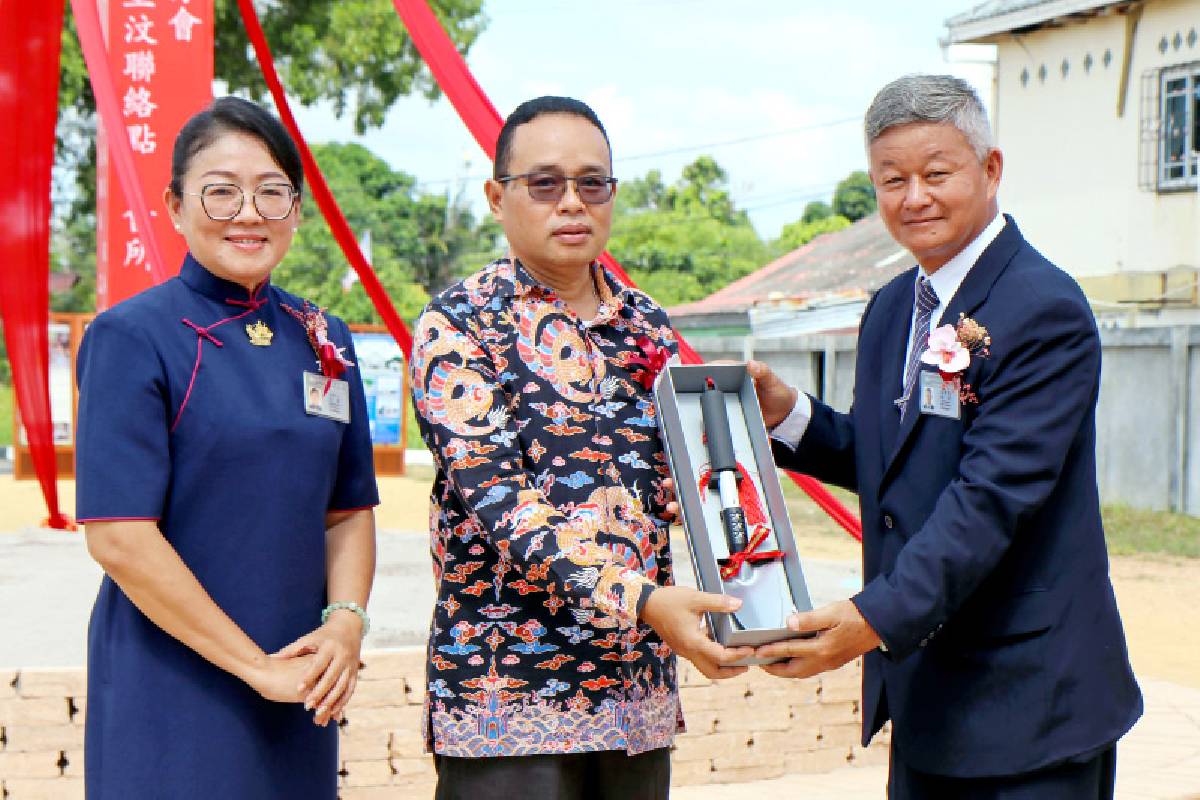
x,y
348,606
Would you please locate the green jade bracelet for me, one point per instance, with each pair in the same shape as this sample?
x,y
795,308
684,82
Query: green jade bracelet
x,y
348,606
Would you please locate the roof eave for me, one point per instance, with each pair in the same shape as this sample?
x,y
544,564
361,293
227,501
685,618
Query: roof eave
x,y
965,29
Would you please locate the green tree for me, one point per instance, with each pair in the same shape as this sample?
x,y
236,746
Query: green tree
x,y
800,233
854,197
685,241
816,210
355,54
417,241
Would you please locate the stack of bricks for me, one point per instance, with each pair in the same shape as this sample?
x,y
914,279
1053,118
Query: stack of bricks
x,y
748,728
41,734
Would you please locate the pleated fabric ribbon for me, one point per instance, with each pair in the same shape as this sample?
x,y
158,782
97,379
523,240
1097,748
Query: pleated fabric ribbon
x,y
30,40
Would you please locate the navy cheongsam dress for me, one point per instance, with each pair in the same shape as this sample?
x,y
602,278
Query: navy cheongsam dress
x,y
185,420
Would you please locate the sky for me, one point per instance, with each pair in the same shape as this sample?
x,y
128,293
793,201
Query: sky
x,y
774,90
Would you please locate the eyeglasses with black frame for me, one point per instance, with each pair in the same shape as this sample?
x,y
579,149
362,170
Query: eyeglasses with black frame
x,y
224,201
549,187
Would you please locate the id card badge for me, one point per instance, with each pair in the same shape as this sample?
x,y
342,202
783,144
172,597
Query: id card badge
x,y
938,397
333,403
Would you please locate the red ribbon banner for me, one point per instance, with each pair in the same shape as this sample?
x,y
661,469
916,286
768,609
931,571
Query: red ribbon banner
x,y
95,54
30,40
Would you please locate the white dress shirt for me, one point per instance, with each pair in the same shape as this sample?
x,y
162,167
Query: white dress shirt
x,y
945,280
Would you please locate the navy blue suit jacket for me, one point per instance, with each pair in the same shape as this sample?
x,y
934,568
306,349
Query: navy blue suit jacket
x,y
984,562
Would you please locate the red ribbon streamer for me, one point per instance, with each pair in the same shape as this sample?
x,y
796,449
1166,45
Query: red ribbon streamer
x,y
95,53
320,189
479,115
30,39
731,566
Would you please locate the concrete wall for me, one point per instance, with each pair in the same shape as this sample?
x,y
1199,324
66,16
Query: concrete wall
x,y
1071,163
748,728
1147,419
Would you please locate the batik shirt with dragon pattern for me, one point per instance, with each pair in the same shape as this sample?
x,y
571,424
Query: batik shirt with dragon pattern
x,y
546,520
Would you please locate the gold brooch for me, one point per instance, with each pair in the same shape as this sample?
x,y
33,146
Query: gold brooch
x,y
259,334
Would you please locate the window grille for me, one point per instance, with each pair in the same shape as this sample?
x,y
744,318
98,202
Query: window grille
x,y
1170,129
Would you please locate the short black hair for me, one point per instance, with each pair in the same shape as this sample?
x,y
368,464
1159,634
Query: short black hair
x,y
234,115
531,110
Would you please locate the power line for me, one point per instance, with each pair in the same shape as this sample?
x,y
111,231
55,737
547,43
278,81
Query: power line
x,y
740,140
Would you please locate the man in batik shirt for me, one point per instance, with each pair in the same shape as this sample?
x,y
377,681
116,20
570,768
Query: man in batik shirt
x,y
551,670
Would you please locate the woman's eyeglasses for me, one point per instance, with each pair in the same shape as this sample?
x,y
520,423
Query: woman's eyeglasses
x,y
549,187
224,201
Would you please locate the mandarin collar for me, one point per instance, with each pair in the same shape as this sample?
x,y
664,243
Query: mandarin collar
x,y
197,277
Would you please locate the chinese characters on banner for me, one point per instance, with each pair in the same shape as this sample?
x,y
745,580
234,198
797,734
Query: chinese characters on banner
x,y
161,56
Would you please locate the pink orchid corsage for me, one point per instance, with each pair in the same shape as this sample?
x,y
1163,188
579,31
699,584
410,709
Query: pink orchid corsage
x,y
950,350
652,361
330,356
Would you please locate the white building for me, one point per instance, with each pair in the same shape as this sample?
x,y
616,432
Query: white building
x,y
1096,107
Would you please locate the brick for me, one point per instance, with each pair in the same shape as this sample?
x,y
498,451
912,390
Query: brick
x,y
841,684
366,773
27,739
376,793
821,714
398,663
824,760
8,683
386,692
691,773
753,717
52,789
34,711
406,743
30,765
869,756
56,683
845,735
393,717
74,766
413,769
690,747
750,772
744,756
413,789
688,676
776,744
701,722
356,744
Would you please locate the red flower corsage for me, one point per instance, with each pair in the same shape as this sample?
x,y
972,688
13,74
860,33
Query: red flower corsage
x,y
652,361
329,355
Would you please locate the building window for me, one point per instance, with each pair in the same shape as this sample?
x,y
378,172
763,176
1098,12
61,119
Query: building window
x,y
1169,148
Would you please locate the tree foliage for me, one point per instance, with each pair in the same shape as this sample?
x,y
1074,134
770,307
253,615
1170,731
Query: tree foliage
x,y
800,233
854,197
816,210
419,243
684,241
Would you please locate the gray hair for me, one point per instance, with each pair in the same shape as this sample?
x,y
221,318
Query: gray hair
x,y
930,98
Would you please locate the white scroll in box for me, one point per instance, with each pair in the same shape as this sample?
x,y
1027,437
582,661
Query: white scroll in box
x,y
772,589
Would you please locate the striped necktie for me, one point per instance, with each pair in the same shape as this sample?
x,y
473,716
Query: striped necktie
x,y
926,302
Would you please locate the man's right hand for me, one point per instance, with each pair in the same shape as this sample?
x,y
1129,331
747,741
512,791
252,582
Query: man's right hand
x,y
675,613
775,397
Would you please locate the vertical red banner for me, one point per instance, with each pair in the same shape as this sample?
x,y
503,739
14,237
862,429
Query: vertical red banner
x,y
160,53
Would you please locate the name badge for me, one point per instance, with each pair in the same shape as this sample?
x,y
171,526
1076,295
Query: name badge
x,y
938,397
326,397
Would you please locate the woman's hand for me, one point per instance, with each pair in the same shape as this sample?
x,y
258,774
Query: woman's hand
x,y
332,674
279,680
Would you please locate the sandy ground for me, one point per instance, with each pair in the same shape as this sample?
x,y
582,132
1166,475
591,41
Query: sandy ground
x,y
1158,596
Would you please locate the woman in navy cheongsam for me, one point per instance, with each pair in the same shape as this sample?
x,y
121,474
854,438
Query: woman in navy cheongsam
x,y
225,475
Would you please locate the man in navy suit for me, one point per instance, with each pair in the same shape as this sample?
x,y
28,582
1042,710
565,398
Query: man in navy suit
x,y
987,617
